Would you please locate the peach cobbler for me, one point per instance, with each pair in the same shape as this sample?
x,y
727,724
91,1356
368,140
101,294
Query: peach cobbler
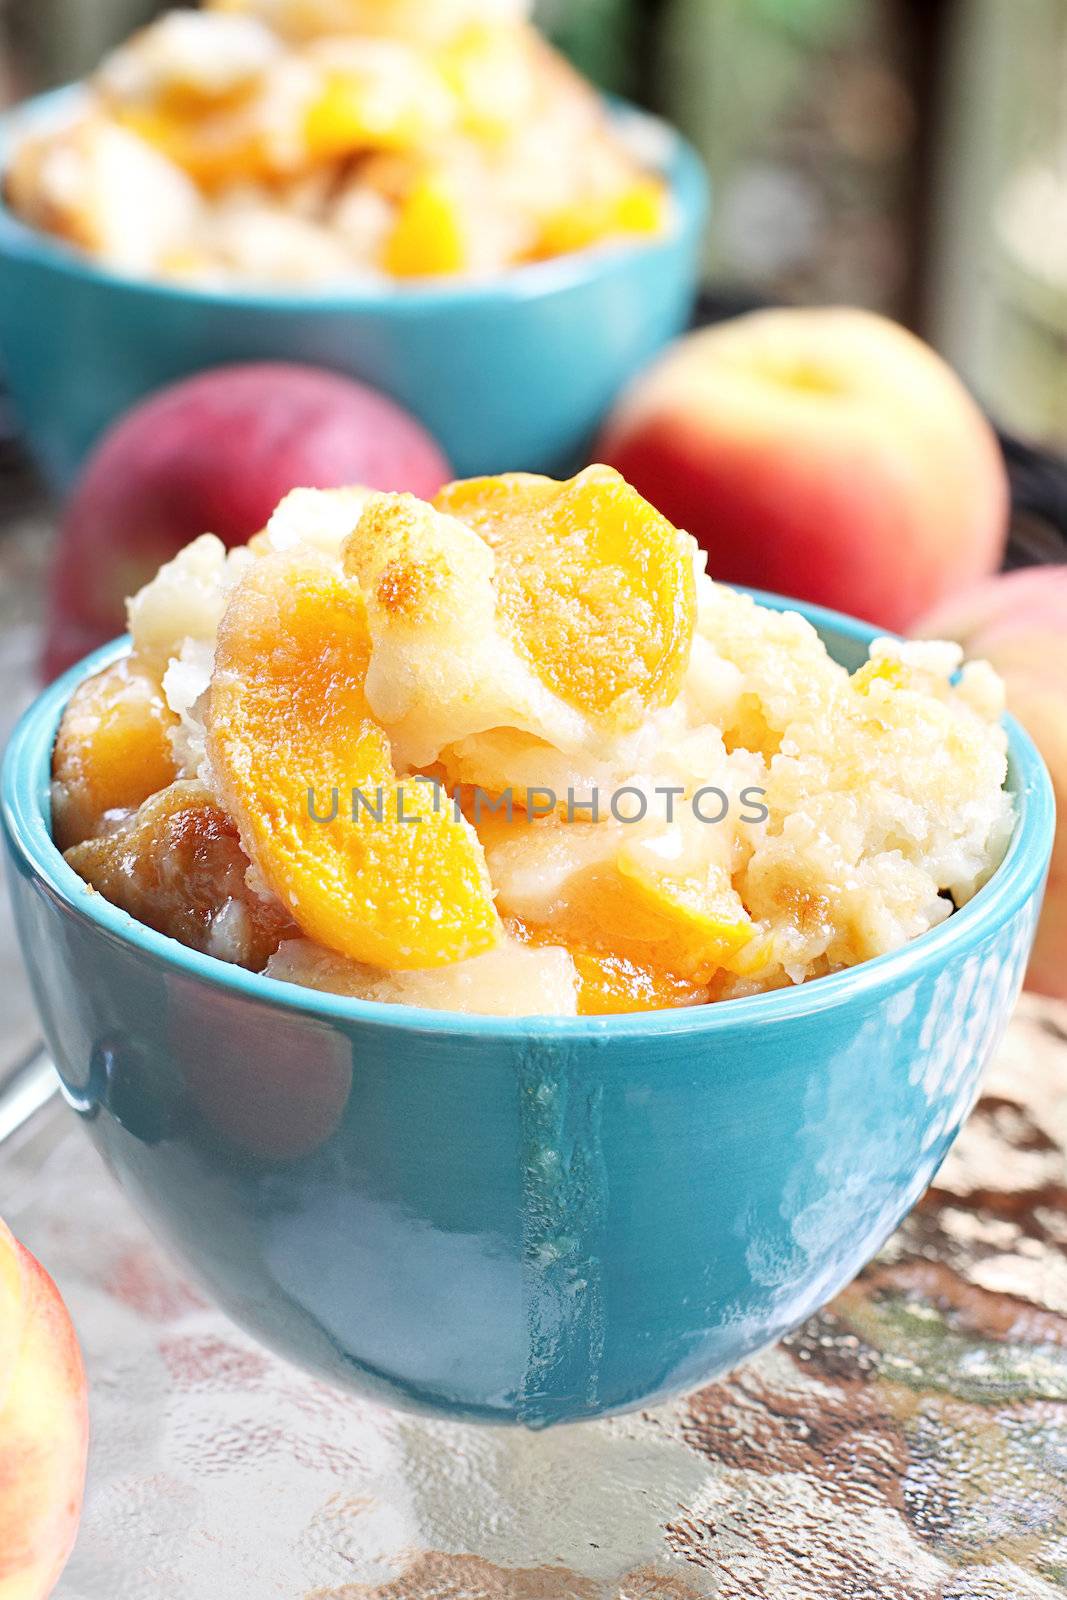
x,y
312,141
513,751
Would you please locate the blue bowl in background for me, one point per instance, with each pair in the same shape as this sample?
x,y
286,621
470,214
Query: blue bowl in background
x,y
508,373
530,1221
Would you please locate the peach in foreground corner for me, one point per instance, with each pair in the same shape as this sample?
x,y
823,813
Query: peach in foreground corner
x,y
44,1427
1018,622
826,454
215,454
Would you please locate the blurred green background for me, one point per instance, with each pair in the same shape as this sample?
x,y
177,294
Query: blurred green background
x,y
908,155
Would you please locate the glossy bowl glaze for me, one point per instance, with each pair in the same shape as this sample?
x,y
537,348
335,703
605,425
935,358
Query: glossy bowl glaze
x,y
517,370
531,1221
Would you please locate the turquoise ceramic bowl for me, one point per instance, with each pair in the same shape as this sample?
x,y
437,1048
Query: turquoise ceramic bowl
x,y
527,1221
518,371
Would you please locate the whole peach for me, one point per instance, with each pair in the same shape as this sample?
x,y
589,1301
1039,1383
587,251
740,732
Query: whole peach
x,y
44,1427
1019,623
215,454
824,454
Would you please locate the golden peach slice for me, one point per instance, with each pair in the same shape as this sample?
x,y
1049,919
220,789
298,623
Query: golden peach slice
x,y
613,985
589,887
639,209
392,879
374,95
442,664
666,925
429,238
111,753
709,925
597,587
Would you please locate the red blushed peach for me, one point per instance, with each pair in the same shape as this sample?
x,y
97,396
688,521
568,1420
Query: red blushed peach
x,y
1018,622
44,1427
215,454
824,454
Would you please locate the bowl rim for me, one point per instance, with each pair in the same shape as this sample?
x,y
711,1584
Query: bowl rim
x,y
25,805
678,163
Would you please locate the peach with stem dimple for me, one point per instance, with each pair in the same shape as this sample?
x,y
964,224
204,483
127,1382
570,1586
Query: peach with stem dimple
x,y
826,454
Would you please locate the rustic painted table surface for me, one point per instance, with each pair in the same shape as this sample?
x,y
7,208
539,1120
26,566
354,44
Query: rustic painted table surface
x,y
909,1443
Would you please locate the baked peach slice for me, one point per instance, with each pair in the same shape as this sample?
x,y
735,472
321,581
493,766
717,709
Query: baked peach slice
x,y
441,667
112,751
374,95
429,238
564,611
394,878
614,985
598,891
597,588
639,208
687,929
709,926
